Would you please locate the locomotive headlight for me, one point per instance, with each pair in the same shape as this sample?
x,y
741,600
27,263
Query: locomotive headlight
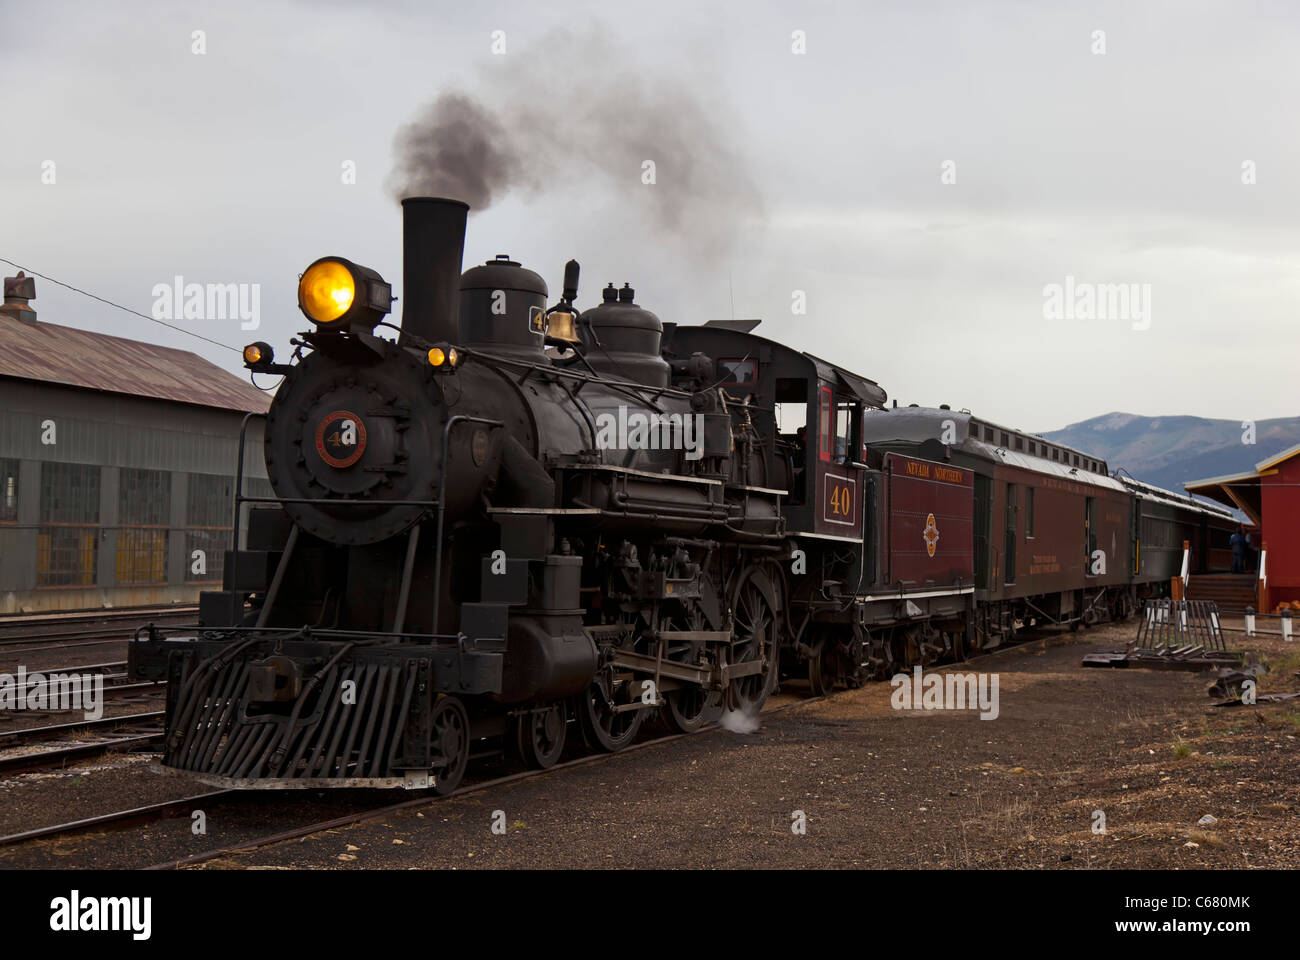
x,y
258,355
326,291
443,358
335,293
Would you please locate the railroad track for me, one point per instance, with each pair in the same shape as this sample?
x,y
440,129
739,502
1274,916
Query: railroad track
x,y
386,810
129,731
154,813
117,686
150,813
27,634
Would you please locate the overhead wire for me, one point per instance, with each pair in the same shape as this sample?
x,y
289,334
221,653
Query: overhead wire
x,y
144,316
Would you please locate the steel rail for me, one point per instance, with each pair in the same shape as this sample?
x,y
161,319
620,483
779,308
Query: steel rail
x,y
151,812
10,737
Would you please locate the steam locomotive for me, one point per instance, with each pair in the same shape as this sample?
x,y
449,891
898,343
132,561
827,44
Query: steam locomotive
x,y
515,523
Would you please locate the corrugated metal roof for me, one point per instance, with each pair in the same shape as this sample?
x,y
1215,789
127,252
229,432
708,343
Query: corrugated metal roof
x,y
64,355
1040,465
1174,497
1278,458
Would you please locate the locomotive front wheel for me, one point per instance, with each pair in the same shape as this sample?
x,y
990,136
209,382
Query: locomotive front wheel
x,y
539,735
602,727
449,737
821,668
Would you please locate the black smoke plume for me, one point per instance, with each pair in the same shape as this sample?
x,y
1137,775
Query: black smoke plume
x,y
578,117
456,149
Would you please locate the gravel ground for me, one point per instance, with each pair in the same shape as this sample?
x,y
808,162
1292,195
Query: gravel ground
x,y
876,787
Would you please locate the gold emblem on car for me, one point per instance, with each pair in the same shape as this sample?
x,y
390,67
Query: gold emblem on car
x,y
931,534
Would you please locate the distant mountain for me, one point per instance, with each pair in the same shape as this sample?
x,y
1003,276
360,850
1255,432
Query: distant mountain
x,y
1168,451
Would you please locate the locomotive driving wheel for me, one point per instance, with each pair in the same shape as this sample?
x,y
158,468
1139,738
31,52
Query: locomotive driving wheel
x,y
540,734
753,637
449,740
690,706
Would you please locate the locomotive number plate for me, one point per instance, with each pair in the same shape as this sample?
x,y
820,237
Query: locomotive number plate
x,y
840,502
341,438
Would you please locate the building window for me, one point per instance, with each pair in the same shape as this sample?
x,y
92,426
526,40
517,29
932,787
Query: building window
x,y
207,525
68,525
8,491
143,512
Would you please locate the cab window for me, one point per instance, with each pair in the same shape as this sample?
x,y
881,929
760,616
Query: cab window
x,y
824,423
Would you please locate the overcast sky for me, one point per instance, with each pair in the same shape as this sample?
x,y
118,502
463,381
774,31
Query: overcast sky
x,y
1122,167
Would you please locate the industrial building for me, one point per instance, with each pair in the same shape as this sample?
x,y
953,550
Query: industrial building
x,y
117,464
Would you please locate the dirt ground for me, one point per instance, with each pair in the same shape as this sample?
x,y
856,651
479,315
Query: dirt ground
x,y
870,785
885,788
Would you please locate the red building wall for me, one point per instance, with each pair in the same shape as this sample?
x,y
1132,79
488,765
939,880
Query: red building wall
x,y
1280,505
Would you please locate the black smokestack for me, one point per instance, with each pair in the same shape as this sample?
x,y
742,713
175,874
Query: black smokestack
x,y
433,243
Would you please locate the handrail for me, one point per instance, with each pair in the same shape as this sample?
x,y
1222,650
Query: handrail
x,y
304,633
442,502
235,605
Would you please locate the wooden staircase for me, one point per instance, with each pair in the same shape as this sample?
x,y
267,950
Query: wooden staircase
x,y
1231,592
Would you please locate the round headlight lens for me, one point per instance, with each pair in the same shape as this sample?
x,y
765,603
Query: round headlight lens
x,y
326,291
437,357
